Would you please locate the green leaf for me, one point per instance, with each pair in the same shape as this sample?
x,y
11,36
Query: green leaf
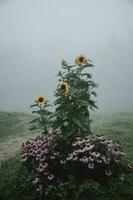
x,y
47,105
86,74
78,123
82,102
94,93
92,103
34,105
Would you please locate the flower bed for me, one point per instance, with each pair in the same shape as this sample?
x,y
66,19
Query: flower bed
x,y
89,157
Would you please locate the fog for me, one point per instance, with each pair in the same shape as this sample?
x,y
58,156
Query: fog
x,y
36,34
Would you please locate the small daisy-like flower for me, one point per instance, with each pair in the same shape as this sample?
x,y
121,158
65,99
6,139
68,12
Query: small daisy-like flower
x,y
41,100
24,158
108,172
35,181
91,159
62,162
69,157
81,59
50,177
84,160
52,157
90,147
39,189
100,137
99,160
75,158
95,154
64,87
91,166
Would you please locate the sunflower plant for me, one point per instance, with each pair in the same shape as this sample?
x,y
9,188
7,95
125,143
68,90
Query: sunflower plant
x,y
43,114
74,98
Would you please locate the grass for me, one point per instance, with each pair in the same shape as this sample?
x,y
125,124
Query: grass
x,y
118,126
14,129
15,181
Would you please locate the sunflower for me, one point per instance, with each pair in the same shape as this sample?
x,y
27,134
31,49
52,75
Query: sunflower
x,y
81,59
63,63
41,100
64,87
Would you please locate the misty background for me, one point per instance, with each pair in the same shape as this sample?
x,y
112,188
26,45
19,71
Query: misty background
x,y
36,34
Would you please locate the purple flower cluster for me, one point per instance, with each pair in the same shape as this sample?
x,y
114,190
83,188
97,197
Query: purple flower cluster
x,y
93,151
38,150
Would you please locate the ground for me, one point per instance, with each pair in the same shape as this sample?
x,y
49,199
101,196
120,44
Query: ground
x,y
14,129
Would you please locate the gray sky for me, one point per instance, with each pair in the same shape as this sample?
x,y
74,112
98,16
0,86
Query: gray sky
x,y
36,34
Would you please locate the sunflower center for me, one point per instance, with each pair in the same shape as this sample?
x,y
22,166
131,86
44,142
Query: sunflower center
x,y
41,99
63,87
81,59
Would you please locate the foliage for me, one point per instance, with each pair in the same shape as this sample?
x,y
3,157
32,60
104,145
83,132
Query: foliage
x,y
15,181
16,184
73,98
73,101
43,115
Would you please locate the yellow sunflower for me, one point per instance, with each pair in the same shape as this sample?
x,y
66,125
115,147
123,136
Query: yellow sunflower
x,y
81,59
64,87
63,63
41,100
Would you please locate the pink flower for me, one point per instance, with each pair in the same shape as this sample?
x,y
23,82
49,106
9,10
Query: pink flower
x,y
56,154
84,160
42,167
69,157
91,159
99,160
24,158
90,147
52,157
107,161
95,154
38,157
75,158
45,151
63,162
39,188
35,181
91,166
50,177
108,172
100,137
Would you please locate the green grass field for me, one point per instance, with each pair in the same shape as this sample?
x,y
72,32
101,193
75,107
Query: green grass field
x,y
118,126
14,129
